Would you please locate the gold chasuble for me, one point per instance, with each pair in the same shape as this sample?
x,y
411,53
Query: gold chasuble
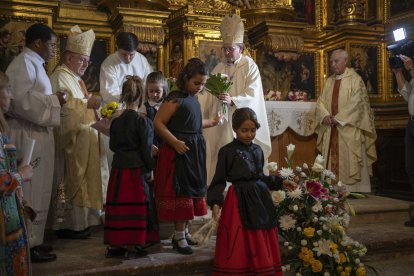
x,y
79,143
349,148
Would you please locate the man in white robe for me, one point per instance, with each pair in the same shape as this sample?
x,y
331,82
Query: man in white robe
x,y
346,130
35,111
125,61
78,145
246,91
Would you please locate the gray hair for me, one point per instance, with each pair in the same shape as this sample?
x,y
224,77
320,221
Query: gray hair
x,y
342,53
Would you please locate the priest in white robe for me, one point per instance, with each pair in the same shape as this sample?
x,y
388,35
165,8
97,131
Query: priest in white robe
x,y
125,61
34,112
246,91
84,164
346,130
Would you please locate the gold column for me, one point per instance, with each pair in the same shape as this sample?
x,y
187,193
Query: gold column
x,y
350,12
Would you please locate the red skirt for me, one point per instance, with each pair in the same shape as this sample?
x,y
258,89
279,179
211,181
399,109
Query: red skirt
x,y
126,210
244,252
171,207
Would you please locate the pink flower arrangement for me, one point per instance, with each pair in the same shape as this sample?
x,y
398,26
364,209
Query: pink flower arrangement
x,y
298,96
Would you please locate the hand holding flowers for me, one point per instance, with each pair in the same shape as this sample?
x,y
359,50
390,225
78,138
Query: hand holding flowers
x,y
219,85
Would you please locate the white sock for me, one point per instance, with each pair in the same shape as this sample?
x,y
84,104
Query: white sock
x,y
187,233
179,236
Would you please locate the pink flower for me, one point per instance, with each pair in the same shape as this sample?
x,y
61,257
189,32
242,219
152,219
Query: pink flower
x,y
315,189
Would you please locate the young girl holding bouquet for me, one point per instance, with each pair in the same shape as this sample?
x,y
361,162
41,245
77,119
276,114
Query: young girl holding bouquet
x,y
128,223
156,90
247,242
180,181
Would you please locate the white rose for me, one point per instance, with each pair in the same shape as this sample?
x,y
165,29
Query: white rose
x,y
272,167
295,208
303,174
290,247
286,243
303,242
305,166
319,232
319,159
298,169
278,196
299,229
317,167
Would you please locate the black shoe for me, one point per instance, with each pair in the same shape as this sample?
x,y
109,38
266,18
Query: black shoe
x,y
45,248
189,240
409,223
183,250
112,252
74,235
137,253
37,256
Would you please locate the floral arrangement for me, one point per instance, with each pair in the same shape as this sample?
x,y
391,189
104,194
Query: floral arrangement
x,y
298,96
271,95
108,110
219,84
313,219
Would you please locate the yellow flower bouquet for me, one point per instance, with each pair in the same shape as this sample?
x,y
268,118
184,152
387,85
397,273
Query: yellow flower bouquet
x,y
108,112
313,220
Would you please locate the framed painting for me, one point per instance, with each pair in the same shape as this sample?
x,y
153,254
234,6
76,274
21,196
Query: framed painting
x,y
210,52
149,50
12,39
283,77
305,11
98,55
364,59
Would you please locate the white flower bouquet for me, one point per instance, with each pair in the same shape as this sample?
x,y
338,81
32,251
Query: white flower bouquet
x,y
313,220
219,84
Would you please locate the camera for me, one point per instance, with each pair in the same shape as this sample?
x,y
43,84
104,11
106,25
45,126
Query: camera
x,y
402,47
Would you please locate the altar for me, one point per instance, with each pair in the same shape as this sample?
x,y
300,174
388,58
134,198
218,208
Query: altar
x,y
292,123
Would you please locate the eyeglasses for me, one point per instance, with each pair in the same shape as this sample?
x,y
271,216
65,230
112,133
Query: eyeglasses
x,y
85,61
230,49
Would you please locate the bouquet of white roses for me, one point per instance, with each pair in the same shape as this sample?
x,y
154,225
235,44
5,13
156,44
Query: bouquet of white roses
x,y
313,219
219,84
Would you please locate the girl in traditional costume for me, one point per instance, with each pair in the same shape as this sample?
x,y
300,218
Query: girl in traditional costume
x,y
14,250
156,89
180,181
129,225
247,242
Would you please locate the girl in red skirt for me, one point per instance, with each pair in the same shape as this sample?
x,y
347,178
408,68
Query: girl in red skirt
x,y
129,224
247,242
180,182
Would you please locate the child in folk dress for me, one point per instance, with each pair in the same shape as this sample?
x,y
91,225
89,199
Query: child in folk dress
x,y
247,242
156,90
128,225
180,181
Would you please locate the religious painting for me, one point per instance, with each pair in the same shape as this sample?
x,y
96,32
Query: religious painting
x,y
305,11
400,7
282,78
176,61
12,40
364,60
98,54
149,50
210,52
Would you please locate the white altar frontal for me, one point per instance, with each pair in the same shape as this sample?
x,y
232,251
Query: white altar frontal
x,y
292,123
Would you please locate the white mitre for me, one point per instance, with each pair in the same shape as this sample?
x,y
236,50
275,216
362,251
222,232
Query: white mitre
x,y
80,42
232,29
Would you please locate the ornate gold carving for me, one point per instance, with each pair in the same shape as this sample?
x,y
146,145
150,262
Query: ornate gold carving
x,y
211,4
277,43
350,11
154,35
